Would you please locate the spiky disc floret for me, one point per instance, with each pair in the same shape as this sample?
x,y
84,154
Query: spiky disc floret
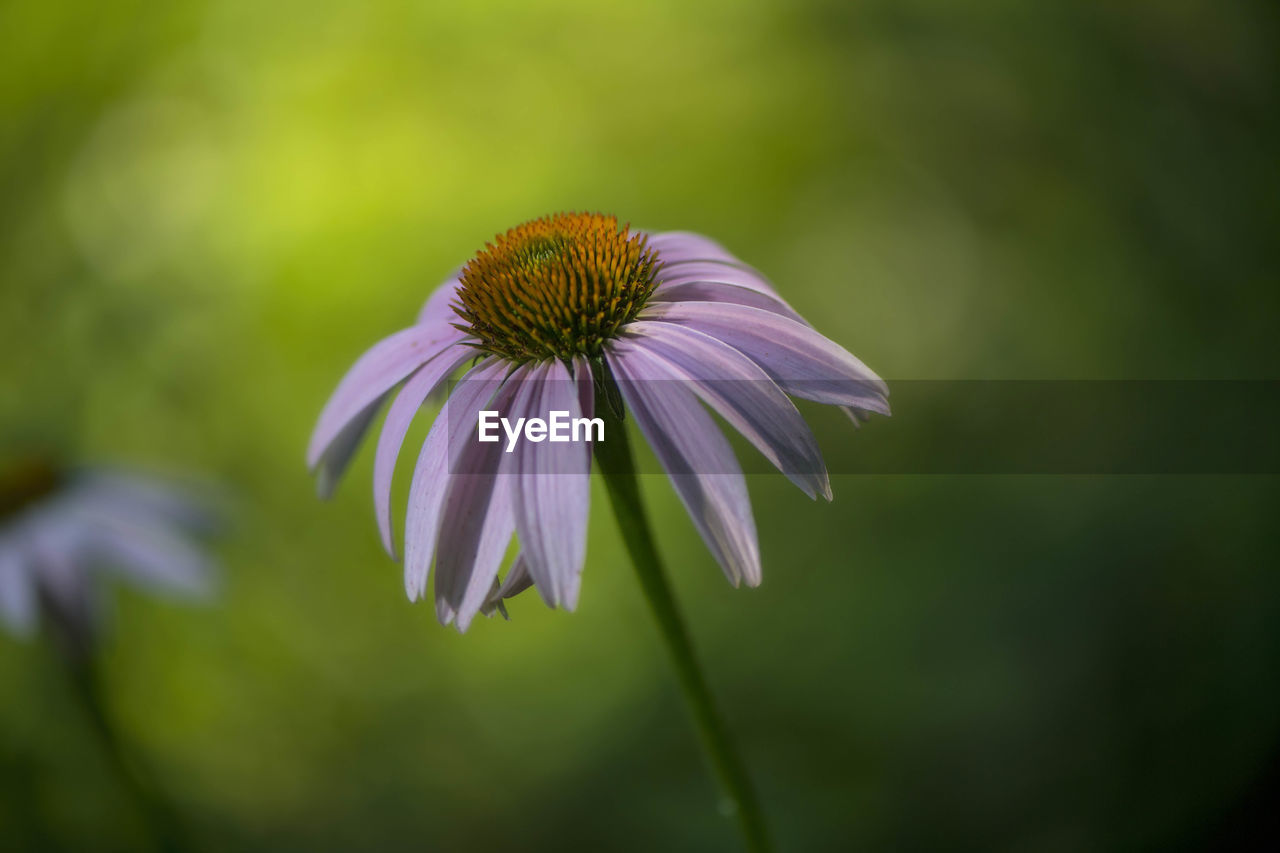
x,y
556,287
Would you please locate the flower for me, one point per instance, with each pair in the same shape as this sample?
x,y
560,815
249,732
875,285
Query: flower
x,y
537,310
60,530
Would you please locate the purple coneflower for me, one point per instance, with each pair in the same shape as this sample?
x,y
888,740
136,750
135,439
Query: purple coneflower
x,y
575,315
63,532
535,311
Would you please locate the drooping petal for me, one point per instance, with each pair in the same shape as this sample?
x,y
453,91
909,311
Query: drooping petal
x,y
740,392
421,385
516,582
475,530
152,556
802,362
150,497
697,290
679,246
688,443
56,547
437,312
367,383
431,475
337,456
719,271
17,591
552,490
477,521
856,415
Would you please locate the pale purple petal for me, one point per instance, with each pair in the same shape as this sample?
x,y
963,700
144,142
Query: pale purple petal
x,y
740,392
718,271
552,490
150,498
802,362
368,381
516,582
337,456
686,441
856,415
154,557
475,531
679,246
477,522
718,291
437,312
57,545
138,545
429,377
431,476
17,591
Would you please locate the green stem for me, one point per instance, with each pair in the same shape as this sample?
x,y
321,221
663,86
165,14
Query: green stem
x,y
613,455
85,680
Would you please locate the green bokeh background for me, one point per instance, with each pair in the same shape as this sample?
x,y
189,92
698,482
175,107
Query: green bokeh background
x,y
209,210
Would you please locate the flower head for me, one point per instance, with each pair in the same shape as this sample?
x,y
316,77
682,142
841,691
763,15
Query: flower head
x,y
556,287
62,531
553,313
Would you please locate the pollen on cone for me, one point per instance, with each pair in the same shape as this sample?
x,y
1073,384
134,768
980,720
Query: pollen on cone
x,y
556,287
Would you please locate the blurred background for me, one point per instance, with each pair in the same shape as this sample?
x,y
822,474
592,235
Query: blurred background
x,y
209,210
